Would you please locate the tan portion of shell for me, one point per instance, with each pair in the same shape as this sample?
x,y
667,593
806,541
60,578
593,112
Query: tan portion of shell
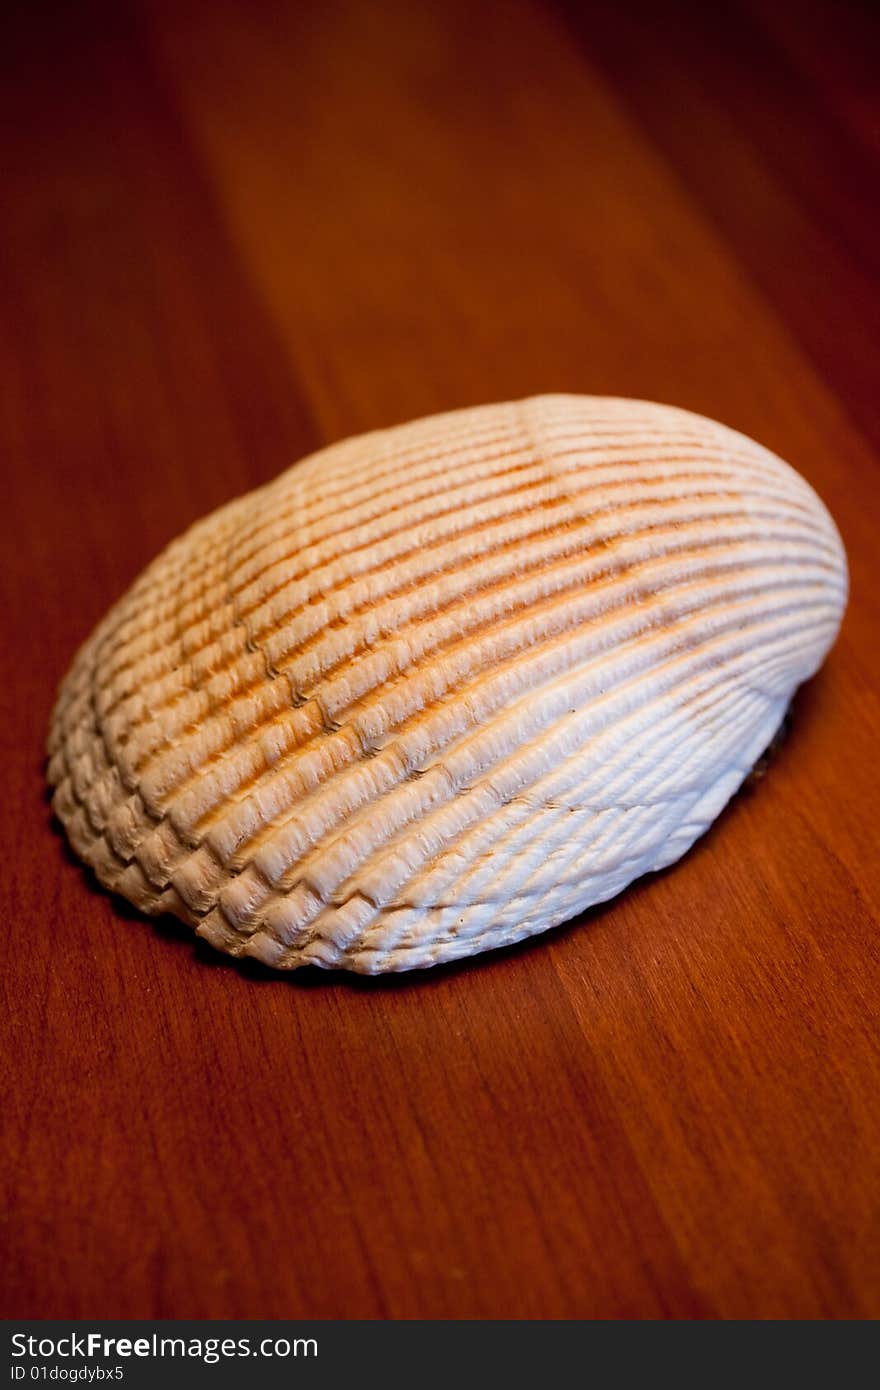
x,y
439,687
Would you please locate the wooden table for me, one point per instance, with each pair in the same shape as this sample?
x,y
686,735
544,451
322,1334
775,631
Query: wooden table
x,y
234,232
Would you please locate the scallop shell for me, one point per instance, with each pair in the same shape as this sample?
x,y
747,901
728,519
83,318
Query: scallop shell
x,y
439,687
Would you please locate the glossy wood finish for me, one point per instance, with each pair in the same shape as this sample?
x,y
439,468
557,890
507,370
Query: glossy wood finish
x,y
235,232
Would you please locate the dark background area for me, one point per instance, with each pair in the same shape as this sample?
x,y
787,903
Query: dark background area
x,y
232,233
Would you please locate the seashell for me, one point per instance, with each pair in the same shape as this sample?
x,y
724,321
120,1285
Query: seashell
x,y
442,686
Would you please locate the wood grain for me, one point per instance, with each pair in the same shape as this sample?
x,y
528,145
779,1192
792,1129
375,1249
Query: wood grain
x,y
233,233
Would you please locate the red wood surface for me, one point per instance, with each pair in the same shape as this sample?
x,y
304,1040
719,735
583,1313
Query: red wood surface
x,y
234,232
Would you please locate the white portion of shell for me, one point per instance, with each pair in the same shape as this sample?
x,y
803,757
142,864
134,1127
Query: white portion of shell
x,y
440,687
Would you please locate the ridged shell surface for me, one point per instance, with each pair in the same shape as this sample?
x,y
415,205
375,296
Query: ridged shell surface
x,y
442,686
